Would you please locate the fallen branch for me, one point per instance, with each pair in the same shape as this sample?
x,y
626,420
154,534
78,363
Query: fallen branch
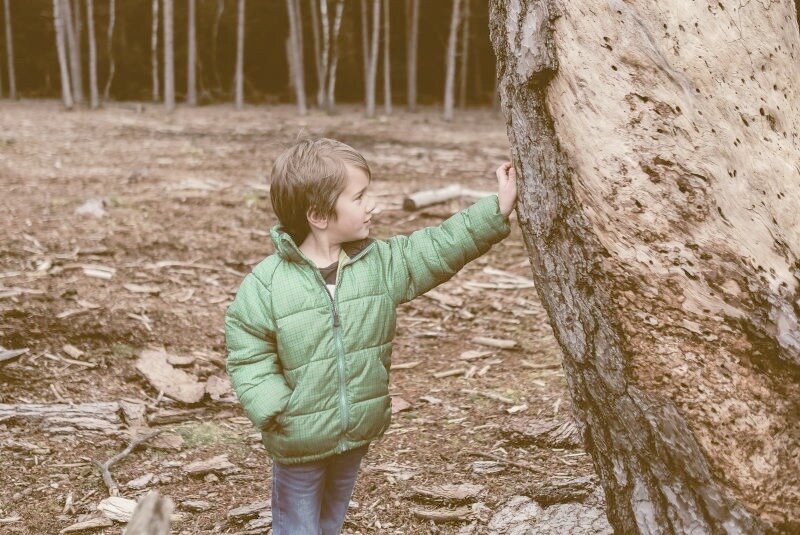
x,y
113,488
526,466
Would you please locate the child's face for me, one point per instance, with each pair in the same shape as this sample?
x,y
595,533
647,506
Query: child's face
x,y
353,209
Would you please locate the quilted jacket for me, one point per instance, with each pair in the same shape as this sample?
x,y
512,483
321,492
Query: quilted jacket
x,y
314,370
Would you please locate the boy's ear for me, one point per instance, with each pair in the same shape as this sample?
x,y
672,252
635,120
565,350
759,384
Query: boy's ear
x,y
315,220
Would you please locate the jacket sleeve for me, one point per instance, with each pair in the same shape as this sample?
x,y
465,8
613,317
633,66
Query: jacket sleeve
x,y
431,256
253,363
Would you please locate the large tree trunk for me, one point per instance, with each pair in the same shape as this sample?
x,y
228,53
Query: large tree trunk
x,y
61,49
412,25
154,51
94,95
239,77
660,205
450,74
74,46
169,57
12,77
373,57
191,67
295,53
330,99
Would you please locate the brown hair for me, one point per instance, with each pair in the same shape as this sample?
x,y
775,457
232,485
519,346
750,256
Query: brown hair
x,y
309,176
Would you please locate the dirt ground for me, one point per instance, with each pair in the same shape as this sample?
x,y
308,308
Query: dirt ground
x,y
187,214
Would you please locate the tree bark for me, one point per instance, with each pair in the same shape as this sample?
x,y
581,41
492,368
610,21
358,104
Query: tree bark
x,y
94,96
312,6
239,77
112,16
73,45
462,68
387,71
365,44
61,48
450,74
214,39
191,68
373,57
330,100
12,77
154,51
295,54
660,206
169,57
411,47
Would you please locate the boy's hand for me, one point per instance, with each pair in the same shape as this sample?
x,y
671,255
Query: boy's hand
x,y
507,188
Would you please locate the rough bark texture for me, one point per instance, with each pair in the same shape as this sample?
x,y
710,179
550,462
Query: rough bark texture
x,y
658,158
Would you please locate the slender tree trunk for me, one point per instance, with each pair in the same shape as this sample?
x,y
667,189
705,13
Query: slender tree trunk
x,y
191,68
154,51
74,52
373,57
411,47
61,48
387,71
450,75
312,5
663,230
462,75
331,76
365,44
77,23
239,77
12,78
94,96
326,40
214,39
296,57
169,57
112,16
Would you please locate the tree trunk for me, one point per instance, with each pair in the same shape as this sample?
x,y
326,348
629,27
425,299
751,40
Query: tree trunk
x,y
330,101
387,71
373,57
295,54
365,44
191,67
154,51
94,96
239,78
169,57
462,75
75,71
660,206
312,6
214,38
112,16
411,47
12,77
61,48
450,74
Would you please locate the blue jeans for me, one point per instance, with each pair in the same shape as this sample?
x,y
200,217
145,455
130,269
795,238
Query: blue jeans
x,y
312,498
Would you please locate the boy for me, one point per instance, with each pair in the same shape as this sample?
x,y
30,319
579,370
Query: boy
x,y
310,332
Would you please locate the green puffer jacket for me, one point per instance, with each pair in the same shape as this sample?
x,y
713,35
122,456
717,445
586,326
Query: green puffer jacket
x,y
319,367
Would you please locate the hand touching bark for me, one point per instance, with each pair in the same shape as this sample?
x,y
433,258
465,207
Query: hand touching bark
x,y
507,188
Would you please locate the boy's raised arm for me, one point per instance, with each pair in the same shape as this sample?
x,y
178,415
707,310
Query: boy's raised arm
x,y
252,361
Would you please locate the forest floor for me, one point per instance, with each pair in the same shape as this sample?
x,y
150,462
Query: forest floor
x,y
185,214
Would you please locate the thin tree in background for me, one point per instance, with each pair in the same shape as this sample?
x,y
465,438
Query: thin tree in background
x,y
449,83
12,78
373,57
240,56
214,38
296,56
94,97
412,25
61,48
169,57
112,17
312,5
462,75
365,44
77,23
326,41
191,68
387,72
76,76
337,25
154,51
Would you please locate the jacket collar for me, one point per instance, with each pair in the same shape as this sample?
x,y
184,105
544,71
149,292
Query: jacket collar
x,y
288,249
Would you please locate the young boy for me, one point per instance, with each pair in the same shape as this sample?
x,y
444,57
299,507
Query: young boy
x,y
310,332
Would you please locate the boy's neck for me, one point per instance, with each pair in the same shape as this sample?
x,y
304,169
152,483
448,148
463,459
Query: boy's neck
x,y
319,249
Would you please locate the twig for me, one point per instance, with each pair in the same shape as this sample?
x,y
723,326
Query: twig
x,y
526,466
113,488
